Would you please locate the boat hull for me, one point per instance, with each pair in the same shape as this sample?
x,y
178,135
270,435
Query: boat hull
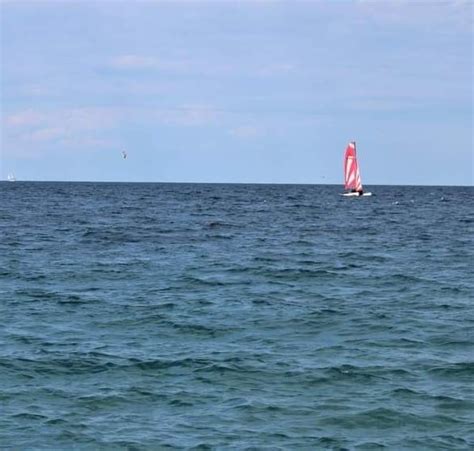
x,y
355,194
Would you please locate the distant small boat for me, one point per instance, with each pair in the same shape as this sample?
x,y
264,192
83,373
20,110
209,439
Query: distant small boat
x,y
11,177
352,180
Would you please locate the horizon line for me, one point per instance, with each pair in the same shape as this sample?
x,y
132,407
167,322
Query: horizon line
x,y
230,183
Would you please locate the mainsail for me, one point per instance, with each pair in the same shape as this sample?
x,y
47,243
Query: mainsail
x,y
351,169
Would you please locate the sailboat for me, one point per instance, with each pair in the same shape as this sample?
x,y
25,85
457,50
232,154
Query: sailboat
x,y
352,180
11,177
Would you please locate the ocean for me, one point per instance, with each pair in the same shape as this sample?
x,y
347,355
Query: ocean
x,y
219,316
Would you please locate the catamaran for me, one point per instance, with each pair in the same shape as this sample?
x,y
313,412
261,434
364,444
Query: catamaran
x,y
352,180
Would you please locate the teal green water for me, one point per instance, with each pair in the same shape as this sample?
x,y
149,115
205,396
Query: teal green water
x,y
155,316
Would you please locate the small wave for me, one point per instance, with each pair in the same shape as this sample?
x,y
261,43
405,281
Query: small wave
x,y
294,274
188,362
109,237
385,418
352,372
59,366
73,299
432,441
405,392
139,321
219,225
198,329
220,236
464,370
180,403
198,281
37,294
57,422
29,416
441,401
325,312
331,443
368,446
266,259
101,400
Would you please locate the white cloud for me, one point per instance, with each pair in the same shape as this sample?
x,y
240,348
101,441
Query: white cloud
x,y
276,69
139,62
188,115
455,14
47,134
92,127
24,118
74,118
246,131
32,132
134,62
200,66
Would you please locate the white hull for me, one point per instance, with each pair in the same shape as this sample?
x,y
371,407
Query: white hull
x,y
355,194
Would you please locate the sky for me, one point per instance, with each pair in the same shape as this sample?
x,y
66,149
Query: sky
x,y
237,91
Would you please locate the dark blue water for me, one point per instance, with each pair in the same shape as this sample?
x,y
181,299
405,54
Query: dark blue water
x,y
235,316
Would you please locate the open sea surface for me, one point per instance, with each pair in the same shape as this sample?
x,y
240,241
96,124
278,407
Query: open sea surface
x,y
162,316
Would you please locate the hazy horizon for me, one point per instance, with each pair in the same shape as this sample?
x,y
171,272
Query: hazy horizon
x,y
232,183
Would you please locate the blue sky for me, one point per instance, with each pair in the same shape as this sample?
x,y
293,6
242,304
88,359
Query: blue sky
x,y
237,91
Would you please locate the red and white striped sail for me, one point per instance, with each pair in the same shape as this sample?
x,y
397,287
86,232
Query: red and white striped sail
x,y
351,169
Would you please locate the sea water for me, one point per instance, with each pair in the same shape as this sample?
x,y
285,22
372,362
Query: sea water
x,y
160,316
